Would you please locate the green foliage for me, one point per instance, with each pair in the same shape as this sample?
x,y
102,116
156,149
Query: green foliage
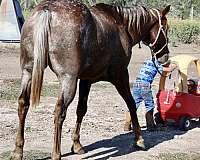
x,y
185,31
179,8
26,13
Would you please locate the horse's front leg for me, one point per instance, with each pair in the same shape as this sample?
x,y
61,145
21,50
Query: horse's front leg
x,y
121,82
84,88
23,107
68,88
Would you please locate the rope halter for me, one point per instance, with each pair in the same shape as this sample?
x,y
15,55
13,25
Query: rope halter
x,y
161,30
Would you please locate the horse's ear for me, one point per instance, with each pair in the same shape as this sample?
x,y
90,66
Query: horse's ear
x,y
166,10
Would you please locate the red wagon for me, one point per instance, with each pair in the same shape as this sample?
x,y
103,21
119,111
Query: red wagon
x,y
182,103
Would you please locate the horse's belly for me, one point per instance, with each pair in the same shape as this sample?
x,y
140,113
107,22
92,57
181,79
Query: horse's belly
x,y
92,72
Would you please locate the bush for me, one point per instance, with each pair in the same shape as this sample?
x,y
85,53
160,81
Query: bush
x,y
26,13
184,31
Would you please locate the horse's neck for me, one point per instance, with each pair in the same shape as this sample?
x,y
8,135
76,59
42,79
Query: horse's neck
x,y
137,20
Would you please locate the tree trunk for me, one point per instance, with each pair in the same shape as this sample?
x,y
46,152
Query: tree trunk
x,y
26,4
192,13
35,1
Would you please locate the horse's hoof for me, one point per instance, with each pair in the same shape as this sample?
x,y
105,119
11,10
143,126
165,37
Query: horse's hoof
x,y
140,144
55,156
77,150
15,156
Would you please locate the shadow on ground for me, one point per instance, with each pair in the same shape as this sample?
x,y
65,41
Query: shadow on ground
x,y
123,144
117,146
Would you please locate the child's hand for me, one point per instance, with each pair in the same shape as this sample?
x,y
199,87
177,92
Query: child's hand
x,y
173,66
170,68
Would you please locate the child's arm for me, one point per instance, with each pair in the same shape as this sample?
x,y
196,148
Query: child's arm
x,y
170,68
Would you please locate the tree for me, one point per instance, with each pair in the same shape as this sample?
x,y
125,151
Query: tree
x,y
180,8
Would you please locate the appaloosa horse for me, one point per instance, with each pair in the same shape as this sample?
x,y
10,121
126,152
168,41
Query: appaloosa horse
x,y
90,44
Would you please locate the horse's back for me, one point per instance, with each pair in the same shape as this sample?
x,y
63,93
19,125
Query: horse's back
x,y
67,18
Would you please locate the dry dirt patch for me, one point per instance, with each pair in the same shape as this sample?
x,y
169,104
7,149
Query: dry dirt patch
x,y
102,131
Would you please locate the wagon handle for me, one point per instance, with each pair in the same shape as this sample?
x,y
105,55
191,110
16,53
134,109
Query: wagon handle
x,y
167,98
179,73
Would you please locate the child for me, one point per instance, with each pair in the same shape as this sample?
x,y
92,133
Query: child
x,y
142,90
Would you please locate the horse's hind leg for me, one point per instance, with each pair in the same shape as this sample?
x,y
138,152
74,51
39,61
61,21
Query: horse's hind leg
x,y
84,88
68,88
23,107
121,82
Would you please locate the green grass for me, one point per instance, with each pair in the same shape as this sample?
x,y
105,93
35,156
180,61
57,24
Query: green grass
x,y
28,155
50,90
10,90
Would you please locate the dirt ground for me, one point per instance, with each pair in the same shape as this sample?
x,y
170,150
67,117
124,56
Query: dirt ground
x,y
102,132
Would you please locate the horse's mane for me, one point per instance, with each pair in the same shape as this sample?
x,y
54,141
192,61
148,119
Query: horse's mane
x,y
134,17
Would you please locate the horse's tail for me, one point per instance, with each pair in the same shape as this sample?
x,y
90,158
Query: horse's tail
x,y
40,42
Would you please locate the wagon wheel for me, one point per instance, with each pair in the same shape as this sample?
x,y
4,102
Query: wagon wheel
x,y
158,119
185,123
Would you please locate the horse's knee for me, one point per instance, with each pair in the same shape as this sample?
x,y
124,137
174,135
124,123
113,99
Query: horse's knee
x,y
21,101
81,112
23,107
59,118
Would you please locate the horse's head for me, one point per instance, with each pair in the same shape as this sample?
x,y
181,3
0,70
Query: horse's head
x,y
157,39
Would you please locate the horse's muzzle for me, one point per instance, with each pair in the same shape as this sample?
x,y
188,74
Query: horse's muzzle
x,y
163,59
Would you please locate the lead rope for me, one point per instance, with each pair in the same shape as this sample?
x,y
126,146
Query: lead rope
x,y
161,74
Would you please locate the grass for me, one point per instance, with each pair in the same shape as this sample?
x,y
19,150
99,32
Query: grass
x,y
10,90
178,156
28,155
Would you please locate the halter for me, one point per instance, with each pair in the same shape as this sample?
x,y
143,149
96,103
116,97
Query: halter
x,y
161,30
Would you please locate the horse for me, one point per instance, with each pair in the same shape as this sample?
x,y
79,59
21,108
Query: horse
x,y
87,43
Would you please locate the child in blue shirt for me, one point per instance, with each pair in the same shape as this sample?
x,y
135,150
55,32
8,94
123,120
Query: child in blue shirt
x,y
142,90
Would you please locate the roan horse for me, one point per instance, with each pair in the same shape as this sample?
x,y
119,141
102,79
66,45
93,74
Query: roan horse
x,y
90,44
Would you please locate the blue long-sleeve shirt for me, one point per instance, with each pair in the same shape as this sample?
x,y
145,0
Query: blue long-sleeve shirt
x,y
149,71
